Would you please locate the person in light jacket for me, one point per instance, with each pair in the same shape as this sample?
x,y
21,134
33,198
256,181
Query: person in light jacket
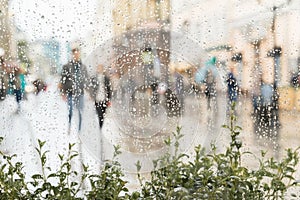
x,y
101,92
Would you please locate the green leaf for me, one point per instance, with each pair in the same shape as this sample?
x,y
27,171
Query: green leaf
x,y
61,157
71,146
73,156
73,184
38,150
168,141
225,126
52,175
293,195
37,176
138,165
41,143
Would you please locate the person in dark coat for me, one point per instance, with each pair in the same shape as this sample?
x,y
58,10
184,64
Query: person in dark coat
x,y
210,89
232,87
101,92
207,76
168,99
73,82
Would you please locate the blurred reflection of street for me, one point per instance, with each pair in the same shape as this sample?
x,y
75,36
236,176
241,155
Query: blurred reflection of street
x,y
45,117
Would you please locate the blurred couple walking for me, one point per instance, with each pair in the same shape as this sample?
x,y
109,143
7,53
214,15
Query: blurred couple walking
x,y
75,81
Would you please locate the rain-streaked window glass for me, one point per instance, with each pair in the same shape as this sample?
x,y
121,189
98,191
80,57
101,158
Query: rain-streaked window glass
x,y
128,73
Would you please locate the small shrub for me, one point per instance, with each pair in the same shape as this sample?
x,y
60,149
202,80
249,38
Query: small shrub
x,y
218,175
109,183
12,179
175,175
65,183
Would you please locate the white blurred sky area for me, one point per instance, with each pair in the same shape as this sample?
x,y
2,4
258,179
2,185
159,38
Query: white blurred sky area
x,y
63,20
68,22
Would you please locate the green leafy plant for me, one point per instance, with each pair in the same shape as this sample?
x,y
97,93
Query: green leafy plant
x,y
65,183
12,179
203,175
61,184
218,175
109,184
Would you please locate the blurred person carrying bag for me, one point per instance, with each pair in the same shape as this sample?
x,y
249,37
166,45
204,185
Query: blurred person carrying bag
x,y
39,86
101,92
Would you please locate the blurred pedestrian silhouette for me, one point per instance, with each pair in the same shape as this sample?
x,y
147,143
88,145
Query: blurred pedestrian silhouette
x,y
39,85
295,80
167,98
16,81
265,116
101,92
232,88
179,88
72,84
210,89
207,76
3,76
268,117
266,122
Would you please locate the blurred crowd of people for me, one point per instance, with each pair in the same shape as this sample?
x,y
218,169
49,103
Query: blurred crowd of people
x,y
101,87
265,113
13,79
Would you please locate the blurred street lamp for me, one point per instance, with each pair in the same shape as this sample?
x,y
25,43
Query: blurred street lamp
x,y
275,53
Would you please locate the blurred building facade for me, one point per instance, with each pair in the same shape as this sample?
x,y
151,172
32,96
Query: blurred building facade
x,y
137,14
239,33
244,28
244,34
249,29
5,30
141,26
269,25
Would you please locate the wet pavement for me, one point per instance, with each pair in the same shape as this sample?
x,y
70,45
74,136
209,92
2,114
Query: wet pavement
x,y
44,117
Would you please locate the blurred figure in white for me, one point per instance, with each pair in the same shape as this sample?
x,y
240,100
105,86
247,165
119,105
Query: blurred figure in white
x,y
101,92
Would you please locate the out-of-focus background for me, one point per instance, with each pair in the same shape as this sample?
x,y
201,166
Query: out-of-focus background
x,y
255,41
